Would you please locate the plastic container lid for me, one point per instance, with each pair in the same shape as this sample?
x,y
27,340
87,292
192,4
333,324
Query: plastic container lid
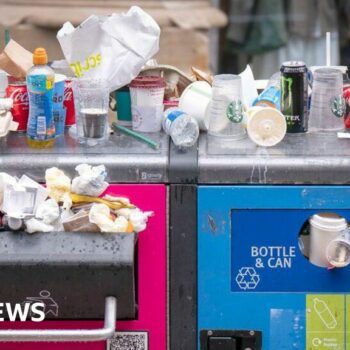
x,y
148,82
328,222
267,127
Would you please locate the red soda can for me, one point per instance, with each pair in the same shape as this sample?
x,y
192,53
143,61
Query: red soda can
x,y
346,95
20,110
69,103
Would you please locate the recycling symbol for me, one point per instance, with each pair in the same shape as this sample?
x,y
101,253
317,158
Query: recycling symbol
x,y
247,278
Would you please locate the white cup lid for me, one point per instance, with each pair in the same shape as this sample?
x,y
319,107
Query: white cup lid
x,y
328,222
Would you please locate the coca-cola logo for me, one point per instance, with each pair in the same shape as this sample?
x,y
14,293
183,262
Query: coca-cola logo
x,y
19,97
68,94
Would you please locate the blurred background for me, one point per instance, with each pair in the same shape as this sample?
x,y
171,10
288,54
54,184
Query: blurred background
x,y
212,35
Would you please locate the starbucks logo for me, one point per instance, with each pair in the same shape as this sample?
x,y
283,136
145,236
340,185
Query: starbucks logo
x,y
234,111
338,106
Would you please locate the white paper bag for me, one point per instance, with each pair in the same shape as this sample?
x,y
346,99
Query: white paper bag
x,y
111,48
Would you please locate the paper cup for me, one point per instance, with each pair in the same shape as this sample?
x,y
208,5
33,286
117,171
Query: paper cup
x,y
147,94
266,126
195,101
324,228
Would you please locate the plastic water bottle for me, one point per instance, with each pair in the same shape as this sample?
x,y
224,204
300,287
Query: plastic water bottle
x,y
181,127
271,96
40,83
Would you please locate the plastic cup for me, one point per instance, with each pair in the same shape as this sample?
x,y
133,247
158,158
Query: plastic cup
x,y
147,95
327,103
195,101
324,228
338,251
266,126
91,99
226,108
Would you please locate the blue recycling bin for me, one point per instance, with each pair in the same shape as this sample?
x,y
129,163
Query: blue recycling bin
x,y
256,289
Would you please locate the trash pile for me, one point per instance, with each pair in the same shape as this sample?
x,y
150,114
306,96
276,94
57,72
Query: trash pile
x,y
110,64
72,205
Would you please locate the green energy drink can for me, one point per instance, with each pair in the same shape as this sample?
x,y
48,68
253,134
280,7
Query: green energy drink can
x,y
294,96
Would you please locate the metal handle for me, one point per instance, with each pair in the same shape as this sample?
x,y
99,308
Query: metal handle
x,y
65,335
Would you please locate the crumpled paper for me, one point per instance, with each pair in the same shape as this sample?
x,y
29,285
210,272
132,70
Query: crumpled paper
x,y
34,225
48,211
100,215
59,186
137,217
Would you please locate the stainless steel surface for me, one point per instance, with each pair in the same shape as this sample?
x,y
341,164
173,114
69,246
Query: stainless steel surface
x,y
64,335
298,159
127,160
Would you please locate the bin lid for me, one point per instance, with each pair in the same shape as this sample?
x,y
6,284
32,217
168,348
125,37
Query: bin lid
x,y
71,273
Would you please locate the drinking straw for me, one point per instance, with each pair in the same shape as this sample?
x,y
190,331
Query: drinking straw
x,y
136,135
328,49
7,36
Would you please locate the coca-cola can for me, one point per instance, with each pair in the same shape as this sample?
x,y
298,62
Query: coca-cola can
x,y
69,103
20,110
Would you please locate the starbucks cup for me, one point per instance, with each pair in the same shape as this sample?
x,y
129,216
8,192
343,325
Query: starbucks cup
x,y
324,228
147,94
195,101
266,126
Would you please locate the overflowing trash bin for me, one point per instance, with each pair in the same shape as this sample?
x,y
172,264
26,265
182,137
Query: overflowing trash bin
x,y
83,272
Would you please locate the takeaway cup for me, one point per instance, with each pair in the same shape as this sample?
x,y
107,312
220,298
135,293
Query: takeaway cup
x,y
266,126
338,250
147,95
226,108
324,228
327,103
91,98
195,101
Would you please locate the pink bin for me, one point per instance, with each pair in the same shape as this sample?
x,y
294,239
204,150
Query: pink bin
x,y
150,322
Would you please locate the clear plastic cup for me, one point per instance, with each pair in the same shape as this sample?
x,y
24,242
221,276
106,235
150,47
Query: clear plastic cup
x,y
91,98
327,102
226,109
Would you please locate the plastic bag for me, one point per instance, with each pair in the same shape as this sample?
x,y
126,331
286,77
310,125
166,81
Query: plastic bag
x,y
111,48
90,181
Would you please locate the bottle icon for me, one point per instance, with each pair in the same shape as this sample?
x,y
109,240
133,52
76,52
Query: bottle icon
x,y
324,313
